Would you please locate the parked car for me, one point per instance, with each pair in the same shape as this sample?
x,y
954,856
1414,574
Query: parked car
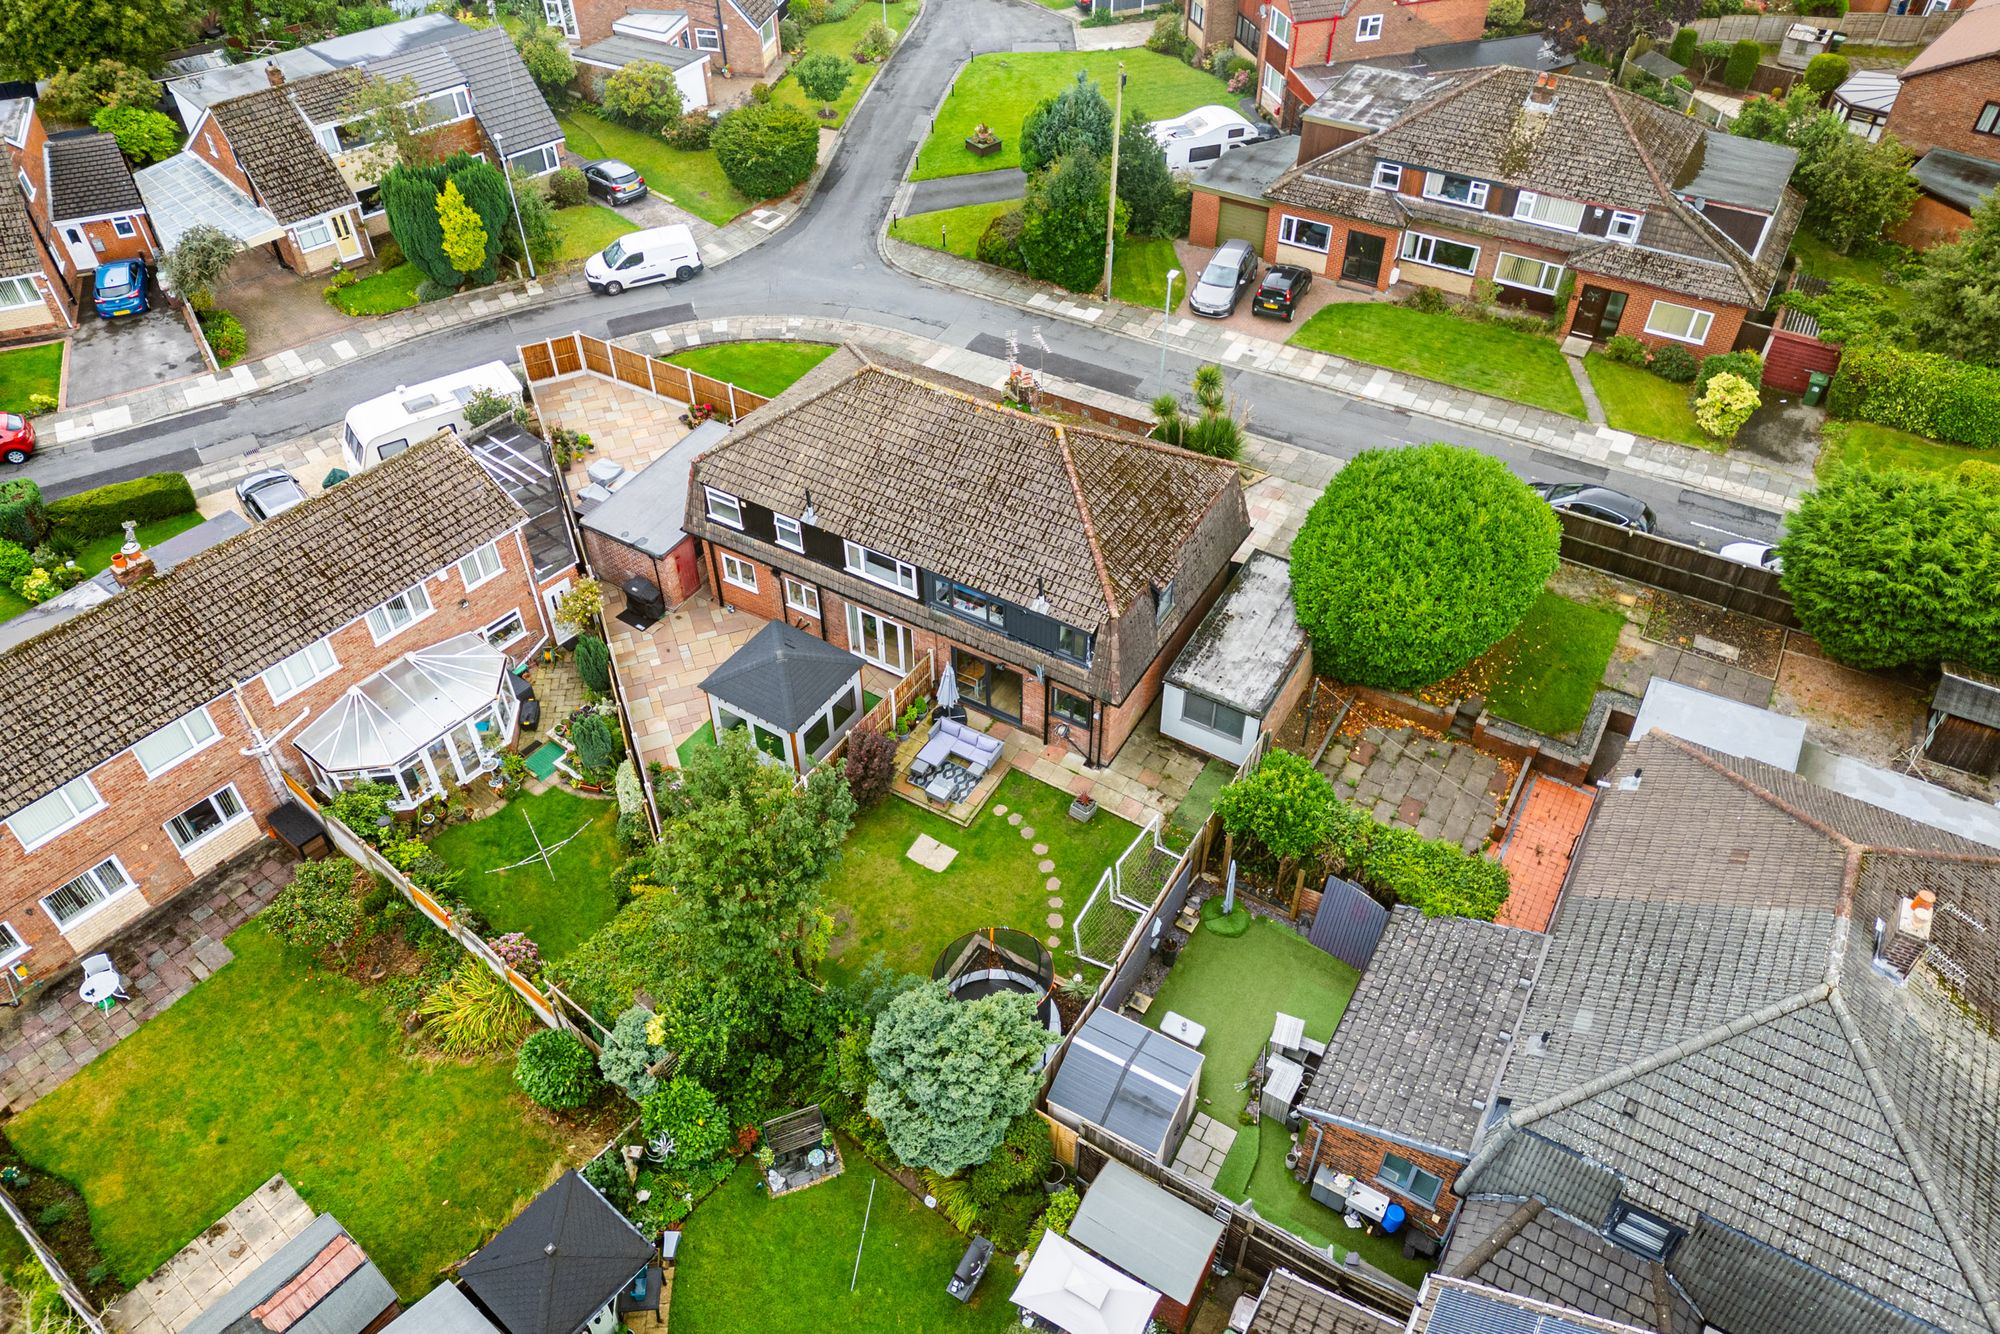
x,y
653,255
121,288
614,181
17,437
269,493
1279,294
1224,281
1760,554
1597,502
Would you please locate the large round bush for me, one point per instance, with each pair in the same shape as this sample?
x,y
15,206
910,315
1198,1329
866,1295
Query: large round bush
x,y
557,1070
1416,561
766,150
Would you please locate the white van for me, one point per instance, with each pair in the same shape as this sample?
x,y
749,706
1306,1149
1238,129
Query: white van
x,y
650,256
1202,136
386,426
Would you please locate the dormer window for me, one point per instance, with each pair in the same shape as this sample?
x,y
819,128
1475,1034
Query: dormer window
x,y
1452,189
877,568
1624,226
790,535
1388,176
723,507
1565,214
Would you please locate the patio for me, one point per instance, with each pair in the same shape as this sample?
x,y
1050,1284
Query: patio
x,y
939,772
625,425
1400,775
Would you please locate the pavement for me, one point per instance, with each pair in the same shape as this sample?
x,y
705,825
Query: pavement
x,y
981,187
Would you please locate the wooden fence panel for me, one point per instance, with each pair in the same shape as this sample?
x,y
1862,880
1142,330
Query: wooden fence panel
x,y
573,354
632,368
596,355
1676,567
538,361
1862,29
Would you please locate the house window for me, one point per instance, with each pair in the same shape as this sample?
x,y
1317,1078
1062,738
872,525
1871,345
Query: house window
x,y
480,566
801,596
1068,707
877,568
27,186
442,107
736,570
1073,643
1642,1233
767,31
85,894
1281,27
707,39
962,601
724,508
1369,29
1989,119
64,808
1440,253
878,639
1623,227
175,742
1388,176
1163,601
295,673
789,533
313,235
206,816
1246,32
1543,211
1273,84
1521,271
123,227
1196,14
536,161
1305,233
1406,1178
1452,189
12,946
1683,324
370,199
399,612
509,629
1207,713
17,292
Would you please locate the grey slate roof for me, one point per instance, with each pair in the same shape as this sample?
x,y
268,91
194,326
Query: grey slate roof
x,y
510,107
1957,178
1525,1247
1244,648
783,676
351,1307
445,1309
566,1255
619,50
20,252
1247,172
228,613
1157,1238
1290,1305
1456,1306
1126,1077
88,176
293,176
1419,1047
646,512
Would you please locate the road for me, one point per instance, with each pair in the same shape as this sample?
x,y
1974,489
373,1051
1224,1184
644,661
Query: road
x,y
826,264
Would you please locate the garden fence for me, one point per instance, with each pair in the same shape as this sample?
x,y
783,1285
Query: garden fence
x,y
1862,29
915,684
1677,567
580,354
71,1293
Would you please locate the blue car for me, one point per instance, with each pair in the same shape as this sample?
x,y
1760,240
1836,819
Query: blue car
x,y
121,288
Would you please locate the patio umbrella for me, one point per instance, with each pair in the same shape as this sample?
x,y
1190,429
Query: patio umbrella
x,y
947,694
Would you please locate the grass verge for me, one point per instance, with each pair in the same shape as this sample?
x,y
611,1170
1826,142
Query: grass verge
x,y
691,179
953,230
1139,272
380,293
1485,358
27,371
1877,447
586,229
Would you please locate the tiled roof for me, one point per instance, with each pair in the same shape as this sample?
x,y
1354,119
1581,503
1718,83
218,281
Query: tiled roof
x,y
1009,503
88,176
1976,36
510,107
225,615
755,10
293,176
1525,1247
1290,1305
19,251
1461,1306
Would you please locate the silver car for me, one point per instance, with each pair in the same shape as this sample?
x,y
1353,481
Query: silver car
x,y
1222,284
267,494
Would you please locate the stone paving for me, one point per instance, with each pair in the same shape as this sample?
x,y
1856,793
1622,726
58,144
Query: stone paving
x,y
1201,1153
55,1033
1437,787
1637,660
202,1271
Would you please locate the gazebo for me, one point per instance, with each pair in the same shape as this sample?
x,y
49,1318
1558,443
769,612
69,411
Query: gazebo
x,y
1071,1290
793,692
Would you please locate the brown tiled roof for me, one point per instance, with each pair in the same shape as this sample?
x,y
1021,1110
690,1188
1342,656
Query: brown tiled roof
x,y
293,176
19,251
1976,36
95,684
1290,1305
943,477
88,176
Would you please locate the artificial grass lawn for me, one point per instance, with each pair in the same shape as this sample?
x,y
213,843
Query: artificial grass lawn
x,y
838,39
379,293
557,911
1001,89
887,904
783,1266
1139,272
586,229
1485,358
95,556
692,180
954,230
1877,447
30,370
767,368
1280,1198
1549,669
1635,399
266,1068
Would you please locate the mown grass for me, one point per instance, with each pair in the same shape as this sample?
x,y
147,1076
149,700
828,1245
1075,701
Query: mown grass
x,y
380,293
586,229
1637,400
767,368
27,371
838,39
692,179
558,905
1485,358
1879,447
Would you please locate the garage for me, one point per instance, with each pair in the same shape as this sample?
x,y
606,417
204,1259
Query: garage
x,y
1238,221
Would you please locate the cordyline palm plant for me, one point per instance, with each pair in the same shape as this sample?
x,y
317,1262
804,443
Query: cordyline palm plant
x,y
1213,429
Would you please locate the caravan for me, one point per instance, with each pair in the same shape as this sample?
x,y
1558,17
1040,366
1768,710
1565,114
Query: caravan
x,y
1201,136
386,426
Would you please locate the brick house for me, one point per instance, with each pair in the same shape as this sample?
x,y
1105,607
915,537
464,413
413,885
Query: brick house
x,y
740,36
158,716
892,512
1554,188
1948,109
659,37
85,204
36,299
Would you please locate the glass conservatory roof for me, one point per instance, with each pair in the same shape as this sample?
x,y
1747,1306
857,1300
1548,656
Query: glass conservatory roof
x,y
406,706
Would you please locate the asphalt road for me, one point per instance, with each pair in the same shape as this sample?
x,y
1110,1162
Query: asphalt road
x,y
826,264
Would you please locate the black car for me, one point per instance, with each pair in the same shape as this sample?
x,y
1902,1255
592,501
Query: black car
x,y
1224,281
1284,286
614,182
267,494
1597,502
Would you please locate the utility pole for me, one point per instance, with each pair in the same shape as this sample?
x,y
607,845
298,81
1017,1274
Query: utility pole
x,y
507,175
1111,214
1167,313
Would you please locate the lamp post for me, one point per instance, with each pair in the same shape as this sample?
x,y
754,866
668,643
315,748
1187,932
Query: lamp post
x,y
1111,213
507,174
1166,313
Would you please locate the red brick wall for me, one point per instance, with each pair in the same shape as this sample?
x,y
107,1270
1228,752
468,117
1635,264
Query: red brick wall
x,y
1789,358
1218,25
1359,1155
33,160
1932,221
1337,248
1406,25
1116,722
1721,332
210,144
1203,218
109,245
1939,109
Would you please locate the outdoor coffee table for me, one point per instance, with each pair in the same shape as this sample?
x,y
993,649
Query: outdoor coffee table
x,y
950,784
1182,1028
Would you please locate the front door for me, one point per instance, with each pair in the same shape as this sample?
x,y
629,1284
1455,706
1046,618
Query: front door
x,y
1363,261
552,598
80,253
1598,312
344,239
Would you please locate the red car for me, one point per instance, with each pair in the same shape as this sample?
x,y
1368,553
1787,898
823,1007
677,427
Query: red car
x,y
17,437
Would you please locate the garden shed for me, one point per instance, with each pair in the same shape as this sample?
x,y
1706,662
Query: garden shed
x,y
1157,1238
637,531
1137,1083
1965,720
794,692
319,1282
1079,1294
561,1266
1243,670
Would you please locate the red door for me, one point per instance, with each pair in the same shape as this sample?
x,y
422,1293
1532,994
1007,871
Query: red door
x,y
686,577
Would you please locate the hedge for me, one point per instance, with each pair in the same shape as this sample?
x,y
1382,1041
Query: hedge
x,y
1742,64
1921,392
105,509
1439,879
22,516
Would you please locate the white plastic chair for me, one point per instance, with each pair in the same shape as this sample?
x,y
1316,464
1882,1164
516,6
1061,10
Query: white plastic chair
x,y
101,963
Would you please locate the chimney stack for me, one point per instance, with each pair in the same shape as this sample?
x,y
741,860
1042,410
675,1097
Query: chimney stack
x,y
129,564
274,74
1543,95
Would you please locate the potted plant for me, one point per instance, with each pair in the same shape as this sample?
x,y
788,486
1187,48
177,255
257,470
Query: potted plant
x,y
765,1157
914,714
982,142
1083,809
1055,1178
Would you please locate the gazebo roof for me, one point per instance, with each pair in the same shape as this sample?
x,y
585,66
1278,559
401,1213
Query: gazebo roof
x,y
793,1131
783,676
407,705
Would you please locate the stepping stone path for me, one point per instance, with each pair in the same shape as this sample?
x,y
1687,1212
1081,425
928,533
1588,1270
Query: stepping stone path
x,y
1055,942
1014,818
1055,900
1045,866
1055,919
1042,850
1052,884
1027,831
999,808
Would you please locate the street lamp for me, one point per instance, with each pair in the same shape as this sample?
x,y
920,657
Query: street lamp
x,y
507,174
1166,313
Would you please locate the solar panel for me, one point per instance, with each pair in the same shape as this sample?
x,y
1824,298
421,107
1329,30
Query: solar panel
x,y
1466,1311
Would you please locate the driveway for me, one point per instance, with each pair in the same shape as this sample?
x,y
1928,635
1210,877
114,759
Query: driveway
x,y
109,357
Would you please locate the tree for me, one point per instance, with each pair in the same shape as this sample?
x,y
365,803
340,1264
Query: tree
x,y
950,1076
1682,51
1849,311
1894,568
629,1055
1955,297
409,196
870,764
197,262
78,95
1215,430
579,608
1856,190
464,235
643,95
40,37
1062,226
823,77
262,20
320,910
1609,26
1284,804
546,55
1416,561
485,192
383,115
599,746
593,664
1741,67
1076,120
1826,72
1504,17
144,137
766,150
1158,204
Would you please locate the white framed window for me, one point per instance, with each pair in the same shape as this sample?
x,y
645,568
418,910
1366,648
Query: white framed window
x,y
1401,1175
1279,26
17,292
480,566
61,810
508,630
1563,214
309,664
767,31
400,612
1214,716
707,39
72,902
1069,706
176,741
27,186
1624,226
123,227
736,570
1304,233
1163,601
1439,253
801,596
878,639
1369,29
1449,188
12,946
1388,176
877,568
1989,119
1523,271
1273,84
723,507
313,235
1683,324
1196,14
790,535
536,161
205,818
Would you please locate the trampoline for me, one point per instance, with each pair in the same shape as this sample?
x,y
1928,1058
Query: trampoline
x,y
994,959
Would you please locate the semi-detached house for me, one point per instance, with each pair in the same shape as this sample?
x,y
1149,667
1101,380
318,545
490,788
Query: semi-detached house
x,y
152,728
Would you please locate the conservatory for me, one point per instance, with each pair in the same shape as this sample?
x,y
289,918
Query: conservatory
x,y
431,720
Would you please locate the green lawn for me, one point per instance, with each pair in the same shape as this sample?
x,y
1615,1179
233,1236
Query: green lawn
x,y
1868,264
1193,812
1545,674
380,293
693,180
1485,358
767,368
1635,399
1879,447
587,229
1139,272
95,555
838,39
1001,89
887,904
557,910
30,370
956,230
268,1068
749,1262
